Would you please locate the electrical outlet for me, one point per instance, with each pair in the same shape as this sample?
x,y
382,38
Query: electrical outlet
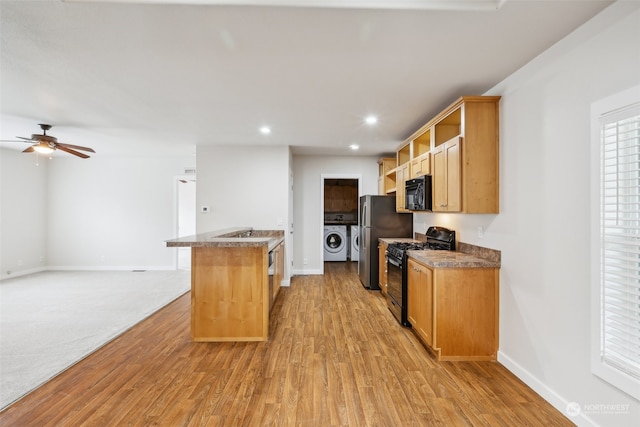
x,y
305,261
480,232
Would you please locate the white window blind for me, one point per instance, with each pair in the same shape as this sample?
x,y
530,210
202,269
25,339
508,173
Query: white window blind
x,y
620,241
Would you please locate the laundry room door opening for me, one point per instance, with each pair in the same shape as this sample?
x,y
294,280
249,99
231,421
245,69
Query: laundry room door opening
x,y
339,203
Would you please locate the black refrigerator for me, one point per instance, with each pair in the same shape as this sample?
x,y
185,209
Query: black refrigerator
x,y
378,218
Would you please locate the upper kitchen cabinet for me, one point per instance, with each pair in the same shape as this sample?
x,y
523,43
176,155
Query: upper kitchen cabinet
x,y
403,171
463,155
341,195
446,178
420,156
386,176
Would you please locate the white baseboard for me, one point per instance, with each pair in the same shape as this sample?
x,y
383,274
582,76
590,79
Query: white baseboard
x,y
108,268
547,393
84,268
22,273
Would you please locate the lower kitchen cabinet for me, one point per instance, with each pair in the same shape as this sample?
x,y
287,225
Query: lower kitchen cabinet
x,y
454,311
382,267
420,301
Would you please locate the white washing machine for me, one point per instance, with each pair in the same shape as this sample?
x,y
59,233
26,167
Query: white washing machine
x,y
355,235
336,242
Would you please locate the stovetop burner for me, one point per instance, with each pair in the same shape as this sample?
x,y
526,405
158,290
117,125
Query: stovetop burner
x,y
438,238
398,249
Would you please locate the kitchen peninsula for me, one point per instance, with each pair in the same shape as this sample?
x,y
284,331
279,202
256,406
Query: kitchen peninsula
x,y
232,290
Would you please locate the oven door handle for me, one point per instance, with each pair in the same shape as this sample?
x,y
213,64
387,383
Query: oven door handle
x,y
394,262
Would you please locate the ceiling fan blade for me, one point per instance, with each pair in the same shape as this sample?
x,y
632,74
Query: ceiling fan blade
x,y
25,139
76,147
70,151
28,150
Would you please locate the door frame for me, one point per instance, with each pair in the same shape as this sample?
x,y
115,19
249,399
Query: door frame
x,y
324,176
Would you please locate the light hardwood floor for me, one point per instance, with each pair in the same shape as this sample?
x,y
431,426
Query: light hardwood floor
x,y
336,357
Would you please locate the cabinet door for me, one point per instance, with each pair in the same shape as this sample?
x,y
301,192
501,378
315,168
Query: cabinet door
x,y
351,199
382,267
454,176
427,330
420,300
402,174
421,166
446,172
338,202
414,295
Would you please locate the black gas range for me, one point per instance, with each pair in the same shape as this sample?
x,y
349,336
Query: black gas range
x,y
438,238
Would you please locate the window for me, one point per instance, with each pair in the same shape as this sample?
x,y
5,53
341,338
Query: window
x,y
616,283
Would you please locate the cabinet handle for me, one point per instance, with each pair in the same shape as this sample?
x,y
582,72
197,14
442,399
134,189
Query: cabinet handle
x,y
443,206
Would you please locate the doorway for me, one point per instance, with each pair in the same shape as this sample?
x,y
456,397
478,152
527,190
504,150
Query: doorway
x,y
186,216
339,205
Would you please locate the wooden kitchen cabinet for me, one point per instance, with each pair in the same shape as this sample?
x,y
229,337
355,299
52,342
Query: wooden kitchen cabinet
x,y
340,197
454,311
420,155
420,304
446,177
386,175
382,267
402,175
421,165
463,146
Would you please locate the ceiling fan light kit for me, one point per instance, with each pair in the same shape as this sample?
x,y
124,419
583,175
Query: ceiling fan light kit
x,y
43,148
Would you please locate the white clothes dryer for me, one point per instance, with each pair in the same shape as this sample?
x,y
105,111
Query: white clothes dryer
x,y
335,242
355,247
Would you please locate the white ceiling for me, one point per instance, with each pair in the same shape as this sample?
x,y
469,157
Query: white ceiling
x,y
123,77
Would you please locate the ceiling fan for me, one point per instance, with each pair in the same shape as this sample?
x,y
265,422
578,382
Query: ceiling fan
x,y
45,144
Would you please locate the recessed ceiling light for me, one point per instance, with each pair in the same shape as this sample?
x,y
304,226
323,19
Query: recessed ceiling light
x,y
354,146
371,120
265,130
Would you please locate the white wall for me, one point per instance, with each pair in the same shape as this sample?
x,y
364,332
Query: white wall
x,y
307,201
244,186
23,213
543,228
112,212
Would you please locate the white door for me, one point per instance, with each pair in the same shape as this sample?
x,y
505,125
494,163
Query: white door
x,y
186,217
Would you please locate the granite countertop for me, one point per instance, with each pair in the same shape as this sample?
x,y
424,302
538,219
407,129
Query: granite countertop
x,y
467,256
454,259
231,237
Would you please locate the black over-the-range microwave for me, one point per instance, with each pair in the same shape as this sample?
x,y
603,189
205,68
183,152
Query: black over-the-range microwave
x,y
418,193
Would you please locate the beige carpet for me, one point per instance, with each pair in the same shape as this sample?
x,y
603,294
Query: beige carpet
x,y
51,320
